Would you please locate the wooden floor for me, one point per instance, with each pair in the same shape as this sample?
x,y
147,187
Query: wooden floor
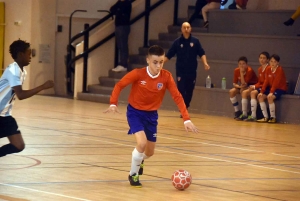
x,y
75,152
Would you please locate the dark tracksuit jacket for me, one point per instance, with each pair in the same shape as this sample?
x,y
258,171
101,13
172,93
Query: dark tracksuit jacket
x,y
186,51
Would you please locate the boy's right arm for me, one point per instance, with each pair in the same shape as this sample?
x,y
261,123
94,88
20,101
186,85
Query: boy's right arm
x,y
23,94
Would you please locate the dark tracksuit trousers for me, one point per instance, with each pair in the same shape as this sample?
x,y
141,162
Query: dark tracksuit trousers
x,y
186,87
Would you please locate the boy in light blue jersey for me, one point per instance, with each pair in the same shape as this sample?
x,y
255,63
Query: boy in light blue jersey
x,y
10,85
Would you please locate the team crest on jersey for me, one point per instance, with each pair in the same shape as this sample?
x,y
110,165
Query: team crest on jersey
x,y
160,86
191,44
181,45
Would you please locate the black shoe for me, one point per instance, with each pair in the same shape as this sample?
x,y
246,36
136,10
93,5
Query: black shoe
x,y
289,22
237,114
141,170
205,24
241,117
134,180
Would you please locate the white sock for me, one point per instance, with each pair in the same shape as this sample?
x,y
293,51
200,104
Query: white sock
x,y
253,103
137,158
244,106
264,109
272,110
235,104
145,156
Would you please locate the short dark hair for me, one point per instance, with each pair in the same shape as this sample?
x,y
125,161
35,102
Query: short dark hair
x,y
266,54
276,57
156,50
243,58
18,46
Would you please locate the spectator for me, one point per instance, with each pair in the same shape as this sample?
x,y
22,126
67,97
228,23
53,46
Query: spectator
x,y
211,4
254,90
187,48
243,77
122,10
238,4
274,86
291,21
198,7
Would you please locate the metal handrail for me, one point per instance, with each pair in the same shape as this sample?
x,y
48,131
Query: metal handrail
x,y
110,36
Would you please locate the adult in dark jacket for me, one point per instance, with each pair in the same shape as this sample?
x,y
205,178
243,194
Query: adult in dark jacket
x,y
186,48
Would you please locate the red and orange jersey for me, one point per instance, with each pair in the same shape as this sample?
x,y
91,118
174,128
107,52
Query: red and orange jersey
x,y
261,76
274,80
250,76
147,91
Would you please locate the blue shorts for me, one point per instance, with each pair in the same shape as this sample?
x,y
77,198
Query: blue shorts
x,y
8,127
139,120
278,93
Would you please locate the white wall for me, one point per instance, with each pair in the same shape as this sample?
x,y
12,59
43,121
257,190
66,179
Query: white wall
x,y
36,27
15,12
42,33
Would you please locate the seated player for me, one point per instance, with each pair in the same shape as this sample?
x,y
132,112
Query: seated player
x,y
243,77
272,89
253,90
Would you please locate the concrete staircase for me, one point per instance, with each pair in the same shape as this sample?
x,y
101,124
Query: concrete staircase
x,y
224,42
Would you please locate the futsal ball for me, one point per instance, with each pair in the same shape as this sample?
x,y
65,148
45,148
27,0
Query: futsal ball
x,y
181,179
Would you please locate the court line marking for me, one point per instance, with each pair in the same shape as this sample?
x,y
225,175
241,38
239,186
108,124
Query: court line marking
x,y
229,147
45,192
250,150
259,166
285,155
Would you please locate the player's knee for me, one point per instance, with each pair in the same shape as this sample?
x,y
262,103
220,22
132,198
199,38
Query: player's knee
x,y
270,99
232,92
142,145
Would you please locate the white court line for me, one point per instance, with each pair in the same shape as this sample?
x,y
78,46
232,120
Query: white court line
x,y
45,192
229,147
191,155
285,155
212,144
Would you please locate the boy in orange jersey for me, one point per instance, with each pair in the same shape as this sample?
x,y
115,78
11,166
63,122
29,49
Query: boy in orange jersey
x,y
243,77
149,85
272,89
254,90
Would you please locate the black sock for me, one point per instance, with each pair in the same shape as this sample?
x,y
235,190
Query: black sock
x,y
8,149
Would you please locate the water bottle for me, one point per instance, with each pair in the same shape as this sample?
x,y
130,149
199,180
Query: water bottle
x,y
208,82
223,83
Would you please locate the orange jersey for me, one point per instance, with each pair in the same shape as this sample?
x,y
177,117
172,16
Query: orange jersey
x,y
274,80
250,76
147,91
261,76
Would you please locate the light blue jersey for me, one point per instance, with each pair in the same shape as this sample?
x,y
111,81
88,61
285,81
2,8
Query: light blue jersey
x,y
12,76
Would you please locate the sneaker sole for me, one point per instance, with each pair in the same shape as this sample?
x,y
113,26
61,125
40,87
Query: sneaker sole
x,y
136,186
